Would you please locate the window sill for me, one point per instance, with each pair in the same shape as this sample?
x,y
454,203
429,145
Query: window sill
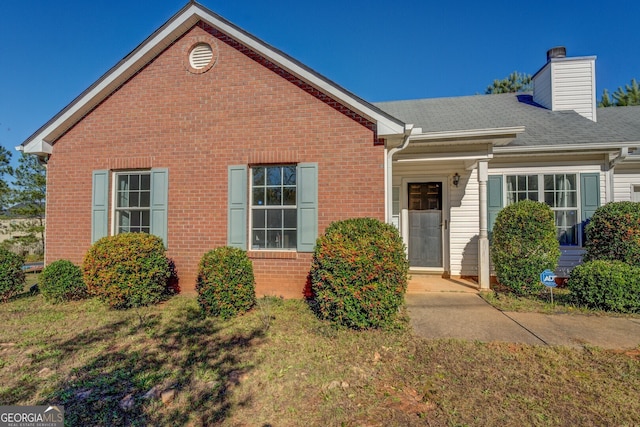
x,y
266,254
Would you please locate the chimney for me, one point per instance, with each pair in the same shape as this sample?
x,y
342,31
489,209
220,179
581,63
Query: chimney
x,y
567,84
557,52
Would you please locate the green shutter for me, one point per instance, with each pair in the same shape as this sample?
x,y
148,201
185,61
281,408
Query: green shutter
x,y
589,197
237,207
100,205
590,194
307,206
494,199
159,201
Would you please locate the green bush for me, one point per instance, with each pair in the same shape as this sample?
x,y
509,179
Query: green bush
x,y
359,273
11,274
524,244
614,233
127,270
226,286
62,281
606,285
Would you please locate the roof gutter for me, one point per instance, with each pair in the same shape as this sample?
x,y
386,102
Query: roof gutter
x,y
624,152
524,150
388,175
505,132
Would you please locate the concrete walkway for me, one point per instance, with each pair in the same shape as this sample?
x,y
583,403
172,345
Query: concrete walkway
x,y
443,308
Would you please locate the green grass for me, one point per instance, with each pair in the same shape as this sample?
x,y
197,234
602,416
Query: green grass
x,y
503,300
279,365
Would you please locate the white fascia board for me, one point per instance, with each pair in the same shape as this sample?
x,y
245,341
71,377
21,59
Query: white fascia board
x,y
37,147
441,157
489,133
526,150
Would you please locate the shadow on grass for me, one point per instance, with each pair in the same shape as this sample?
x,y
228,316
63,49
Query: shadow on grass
x,y
155,372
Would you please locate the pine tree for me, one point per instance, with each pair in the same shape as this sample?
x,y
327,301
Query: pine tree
x,y
630,95
515,82
622,97
5,169
28,198
606,100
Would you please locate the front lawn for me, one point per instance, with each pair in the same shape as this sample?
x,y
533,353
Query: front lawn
x,y
278,365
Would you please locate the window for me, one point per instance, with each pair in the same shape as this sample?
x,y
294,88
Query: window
x,y
133,202
273,207
278,202
522,187
559,192
138,203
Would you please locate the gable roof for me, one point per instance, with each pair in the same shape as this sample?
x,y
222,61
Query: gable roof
x,y
41,141
543,127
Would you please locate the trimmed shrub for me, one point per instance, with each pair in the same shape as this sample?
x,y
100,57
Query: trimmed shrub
x,y
614,233
359,273
606,285
62,281
524,244
127,270
11,274
226,286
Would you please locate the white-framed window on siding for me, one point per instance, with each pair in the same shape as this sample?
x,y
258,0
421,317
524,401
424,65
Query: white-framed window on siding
x,y
273,205
133,202
559,192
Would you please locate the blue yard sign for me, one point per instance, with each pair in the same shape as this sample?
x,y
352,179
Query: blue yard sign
x,y
548,278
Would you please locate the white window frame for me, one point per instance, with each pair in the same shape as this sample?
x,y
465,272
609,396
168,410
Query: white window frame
x,y
115,228
635,193
265,207
541,198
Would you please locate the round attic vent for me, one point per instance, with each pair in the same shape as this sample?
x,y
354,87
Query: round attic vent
x,y
200,56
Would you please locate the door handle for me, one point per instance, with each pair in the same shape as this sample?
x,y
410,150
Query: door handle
x,y
445,224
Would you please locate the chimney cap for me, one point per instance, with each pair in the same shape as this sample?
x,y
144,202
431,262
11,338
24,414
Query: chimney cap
x,y
557,52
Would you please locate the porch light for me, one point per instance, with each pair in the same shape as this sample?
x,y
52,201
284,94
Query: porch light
x,y
456,179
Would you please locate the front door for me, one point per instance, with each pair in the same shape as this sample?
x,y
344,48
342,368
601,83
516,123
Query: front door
x,y
425,224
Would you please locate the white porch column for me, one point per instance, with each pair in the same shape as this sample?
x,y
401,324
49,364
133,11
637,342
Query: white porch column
x,y
483,240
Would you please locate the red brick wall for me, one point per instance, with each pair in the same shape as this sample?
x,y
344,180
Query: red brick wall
x,y
241,111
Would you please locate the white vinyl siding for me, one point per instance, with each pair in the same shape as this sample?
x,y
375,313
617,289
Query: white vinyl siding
x,y
464,225
625,183
542,87
463,202
573,87
567,84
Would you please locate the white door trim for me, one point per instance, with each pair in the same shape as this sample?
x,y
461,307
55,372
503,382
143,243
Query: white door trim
x,y
404,226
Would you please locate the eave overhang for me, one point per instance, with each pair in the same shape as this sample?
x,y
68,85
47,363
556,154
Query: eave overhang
x,y
156,43
496,136
588,148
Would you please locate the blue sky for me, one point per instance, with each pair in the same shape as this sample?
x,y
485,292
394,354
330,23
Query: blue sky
x,y
50,51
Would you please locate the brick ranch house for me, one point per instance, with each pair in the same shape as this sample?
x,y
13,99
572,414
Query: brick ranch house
x,y
207,136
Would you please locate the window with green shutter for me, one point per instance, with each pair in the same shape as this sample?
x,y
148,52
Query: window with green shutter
x,y
140,202
281,204
572,197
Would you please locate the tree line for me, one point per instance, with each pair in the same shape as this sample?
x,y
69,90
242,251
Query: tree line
x,y
22,202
